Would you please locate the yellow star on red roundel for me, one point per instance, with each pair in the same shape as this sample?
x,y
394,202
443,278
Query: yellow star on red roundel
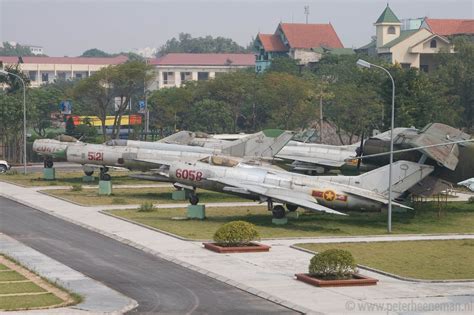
x,y
329,195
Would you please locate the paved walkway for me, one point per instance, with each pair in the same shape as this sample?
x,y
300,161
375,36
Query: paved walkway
x,y
98,298
269,275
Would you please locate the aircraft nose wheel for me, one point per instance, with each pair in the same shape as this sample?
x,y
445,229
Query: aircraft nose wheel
x,y
48,163
278,212
103,174
193,199
291,208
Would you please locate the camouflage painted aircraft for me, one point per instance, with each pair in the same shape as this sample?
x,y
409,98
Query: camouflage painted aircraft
x,y
367,192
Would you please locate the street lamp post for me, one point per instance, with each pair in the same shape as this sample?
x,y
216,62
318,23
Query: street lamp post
x,y
24,115
366,64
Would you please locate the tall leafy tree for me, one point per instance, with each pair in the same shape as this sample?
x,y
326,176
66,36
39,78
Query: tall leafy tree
x,y
185,43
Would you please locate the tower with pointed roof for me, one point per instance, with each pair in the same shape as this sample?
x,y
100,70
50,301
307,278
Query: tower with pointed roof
x,y
387,27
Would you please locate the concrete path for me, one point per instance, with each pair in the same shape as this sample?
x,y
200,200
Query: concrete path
x,y
269,275
98,298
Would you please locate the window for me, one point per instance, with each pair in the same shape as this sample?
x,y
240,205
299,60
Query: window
x,y
203,76
44,77
78,75
405,65
391,30
168,77
32,75
185,76
62,75
433,43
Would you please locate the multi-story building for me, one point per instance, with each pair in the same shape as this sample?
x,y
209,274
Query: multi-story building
x,y
412,46
172,70
42,70
175,69
303,42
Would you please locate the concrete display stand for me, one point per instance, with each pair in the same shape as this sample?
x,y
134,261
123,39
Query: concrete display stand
x,y
49,173
105,187
182,194
293,215
88,179
197,212
282,221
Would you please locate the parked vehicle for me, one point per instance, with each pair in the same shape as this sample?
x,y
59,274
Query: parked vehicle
x,y
4,166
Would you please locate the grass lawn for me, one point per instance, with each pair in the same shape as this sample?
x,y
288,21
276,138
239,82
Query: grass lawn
x,y
435,260
458,218
129,196
10,275
20,287
31,301
36,292
68,178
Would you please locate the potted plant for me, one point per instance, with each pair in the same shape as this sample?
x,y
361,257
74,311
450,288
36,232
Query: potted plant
x,y
334,267
236,237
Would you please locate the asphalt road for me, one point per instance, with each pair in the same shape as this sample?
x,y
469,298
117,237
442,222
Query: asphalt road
x,y
157,285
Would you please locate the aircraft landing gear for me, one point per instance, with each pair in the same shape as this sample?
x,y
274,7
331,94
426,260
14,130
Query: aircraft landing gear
x,y
278,212
291,207
48,162
193,198
103,174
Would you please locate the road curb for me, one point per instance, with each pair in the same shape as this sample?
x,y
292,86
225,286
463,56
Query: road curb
x,y
210,274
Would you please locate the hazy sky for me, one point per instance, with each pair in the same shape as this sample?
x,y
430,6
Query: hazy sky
x,y
69,27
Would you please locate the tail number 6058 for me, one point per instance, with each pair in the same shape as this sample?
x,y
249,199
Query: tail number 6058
x,y
189,174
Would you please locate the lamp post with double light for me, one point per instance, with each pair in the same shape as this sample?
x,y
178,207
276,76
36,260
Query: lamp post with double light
x,y
24,114
365,64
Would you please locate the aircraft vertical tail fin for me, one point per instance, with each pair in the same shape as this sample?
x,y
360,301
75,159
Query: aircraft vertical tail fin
x,y
181,137
263,144
405,175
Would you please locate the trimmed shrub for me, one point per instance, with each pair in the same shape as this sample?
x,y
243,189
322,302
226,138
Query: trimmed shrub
x,y
236,233
146,207
470,200
333,264
76,188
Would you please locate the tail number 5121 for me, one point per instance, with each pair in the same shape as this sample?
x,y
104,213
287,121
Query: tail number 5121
x,y
189,174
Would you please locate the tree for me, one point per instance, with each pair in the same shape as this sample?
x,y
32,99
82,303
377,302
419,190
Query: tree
x,y
353,110
289,100
284,64
14,84
122,81
209,116
456,74
185,43
43,100
235,89
15,50
94,52
70,127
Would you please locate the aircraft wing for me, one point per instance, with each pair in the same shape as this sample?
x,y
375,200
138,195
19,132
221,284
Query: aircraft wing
x,y
312,160
154,162
377,198
277,194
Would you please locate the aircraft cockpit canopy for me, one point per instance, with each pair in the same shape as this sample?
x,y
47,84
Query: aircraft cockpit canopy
x,y
116,142
66,138
220,161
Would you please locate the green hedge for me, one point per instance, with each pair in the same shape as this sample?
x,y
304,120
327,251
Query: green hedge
x,y
236,233
333,264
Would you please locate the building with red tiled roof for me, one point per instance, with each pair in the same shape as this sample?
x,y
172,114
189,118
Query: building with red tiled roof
x,y
449,27
302,42
174,69
42,70
416,45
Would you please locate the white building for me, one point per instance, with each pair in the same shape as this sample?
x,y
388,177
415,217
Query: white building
x,y
174,69
42,70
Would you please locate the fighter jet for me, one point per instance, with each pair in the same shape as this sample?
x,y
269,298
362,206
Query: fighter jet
x,y
122,153
469,183
368,191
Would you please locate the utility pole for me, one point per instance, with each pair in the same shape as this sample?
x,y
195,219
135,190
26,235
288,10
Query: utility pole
x,y
306,12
